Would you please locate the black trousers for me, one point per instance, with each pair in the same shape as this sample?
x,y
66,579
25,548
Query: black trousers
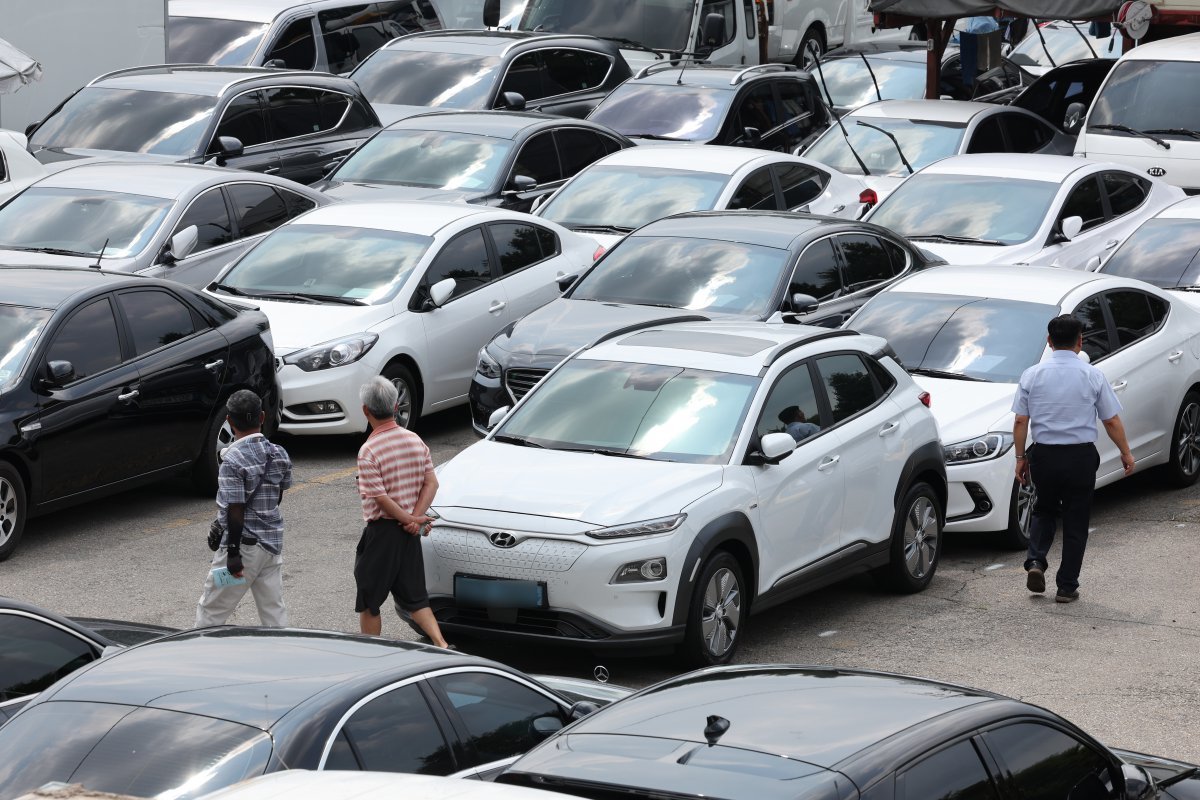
x,y
1065,478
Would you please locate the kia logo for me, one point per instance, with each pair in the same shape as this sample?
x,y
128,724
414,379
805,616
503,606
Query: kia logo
x,y
503,539
1156,172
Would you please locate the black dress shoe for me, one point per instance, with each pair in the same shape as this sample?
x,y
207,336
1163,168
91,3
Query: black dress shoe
x,y
1035,581
1066,597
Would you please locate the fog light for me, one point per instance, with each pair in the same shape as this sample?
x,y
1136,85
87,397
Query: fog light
x,y
323,407
650,569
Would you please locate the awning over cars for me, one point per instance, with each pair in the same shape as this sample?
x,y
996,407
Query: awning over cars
x,y
1041,9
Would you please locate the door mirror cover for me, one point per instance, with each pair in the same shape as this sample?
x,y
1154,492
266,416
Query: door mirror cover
x,y
776,446
275,63
230,146
497,416
750,135
1138,783
32,127
544,727
511,101
712,30
1070,227
183,243
441,292
521,183
491,13
583,708
1073,118
59,373
566,282
803,303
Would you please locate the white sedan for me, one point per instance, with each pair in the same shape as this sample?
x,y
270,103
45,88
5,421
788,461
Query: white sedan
x,y
1164,251
967,333
1006,208
409,291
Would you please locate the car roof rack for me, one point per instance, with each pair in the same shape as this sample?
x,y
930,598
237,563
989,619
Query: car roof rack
x,y
748,71
775,352
251,72
679,63
650,323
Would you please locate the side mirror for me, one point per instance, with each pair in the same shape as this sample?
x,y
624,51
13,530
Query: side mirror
x,y
1070,227
511,101
538,203
1093,264
774,447
181,245
1073,119
31,127
520,183
803,303
59,373
566,282
712,31
1138,783
545,726
275,63
750,136
227,147
582,709
497,416
491,13
331,166
1084,357
441,292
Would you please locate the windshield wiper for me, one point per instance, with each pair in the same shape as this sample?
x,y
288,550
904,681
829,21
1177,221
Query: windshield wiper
x,y
1133,132
613,229
632,44
306,297
938,373
1178,777
895,142
942,237
522,441
600,451
54,251
1184,288
227,289
1174,131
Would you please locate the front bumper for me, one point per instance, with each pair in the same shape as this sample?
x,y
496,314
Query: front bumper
x,y
484,397
979,495
339,384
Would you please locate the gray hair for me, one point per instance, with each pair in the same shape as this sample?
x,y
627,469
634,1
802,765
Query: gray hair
x,y
380,396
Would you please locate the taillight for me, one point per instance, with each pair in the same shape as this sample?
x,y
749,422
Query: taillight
x,y
925,399
599,252
868,197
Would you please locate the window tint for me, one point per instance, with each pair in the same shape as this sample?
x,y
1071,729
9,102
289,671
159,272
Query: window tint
x,y
756,192
866,262
1025,135
758,110
243,120
573,70
539,160
817,272
464,258
987,137
341,755
1048,764
3,168
897,255
578,149
1131,316
292,112
1158,309
497,712
211,218
351,33
155,319
517,246
295,46
409,16
524,77
258,207
89,340
549,242
792,406
1095,330
848,385
396,732
1084,201
36,655
332,107
796,107
955,773
800,184
1125,192
297,204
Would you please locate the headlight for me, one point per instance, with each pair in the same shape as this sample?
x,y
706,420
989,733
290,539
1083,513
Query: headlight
x,y
645,571
488,367
647,528
337,353
990,445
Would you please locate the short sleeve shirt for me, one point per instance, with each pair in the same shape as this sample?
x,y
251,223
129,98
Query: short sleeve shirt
x,y
392,462
1063,397
254,473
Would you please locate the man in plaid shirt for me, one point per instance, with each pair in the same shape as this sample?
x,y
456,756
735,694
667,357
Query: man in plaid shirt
x,y
254,474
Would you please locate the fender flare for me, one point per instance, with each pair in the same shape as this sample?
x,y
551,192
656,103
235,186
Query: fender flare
x,y
929,457
730,527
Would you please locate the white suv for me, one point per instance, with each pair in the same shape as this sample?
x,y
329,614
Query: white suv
x,y
661,484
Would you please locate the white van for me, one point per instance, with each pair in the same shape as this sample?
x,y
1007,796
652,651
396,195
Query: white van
x,y
1146,115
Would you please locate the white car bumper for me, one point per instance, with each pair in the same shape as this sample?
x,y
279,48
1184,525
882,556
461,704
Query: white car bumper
x,y
338,385
980,495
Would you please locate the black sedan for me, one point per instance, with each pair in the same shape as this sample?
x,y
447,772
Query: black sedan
x,y
197,711
498,158
109,381
718,264
775,732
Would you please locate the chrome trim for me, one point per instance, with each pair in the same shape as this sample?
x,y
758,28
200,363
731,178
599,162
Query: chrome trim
x,y
259,72
741,76
219,187
267,121
528,103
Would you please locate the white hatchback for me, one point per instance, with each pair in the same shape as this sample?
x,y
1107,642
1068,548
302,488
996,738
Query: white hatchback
x,y
659,486
409,291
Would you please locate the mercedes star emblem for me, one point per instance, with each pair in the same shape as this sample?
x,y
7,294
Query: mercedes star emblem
x,y
601,673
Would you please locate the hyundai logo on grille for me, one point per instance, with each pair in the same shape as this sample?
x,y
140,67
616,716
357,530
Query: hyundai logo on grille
x,y
1156,172
502,539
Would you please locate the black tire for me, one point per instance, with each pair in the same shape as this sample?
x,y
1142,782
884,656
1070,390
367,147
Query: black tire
x,y
1183,467
13,509
409,413
1020,517
811,46
217,436
716,618
916,550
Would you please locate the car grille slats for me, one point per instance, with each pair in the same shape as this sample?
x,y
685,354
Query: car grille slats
x,y
520,381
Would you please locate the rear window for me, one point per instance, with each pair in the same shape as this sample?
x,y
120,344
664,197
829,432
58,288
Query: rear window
x,y
1162,252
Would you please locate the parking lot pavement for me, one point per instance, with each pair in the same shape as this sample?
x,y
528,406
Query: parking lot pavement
x,y
1120,662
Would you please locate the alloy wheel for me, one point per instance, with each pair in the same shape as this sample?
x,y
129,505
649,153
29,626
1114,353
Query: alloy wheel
x,y
1026,496
225,438
810,55
920,537
403,402
8,510
721,613
1187,446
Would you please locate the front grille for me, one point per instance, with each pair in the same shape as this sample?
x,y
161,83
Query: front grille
x,y
520,381
470,552
543,623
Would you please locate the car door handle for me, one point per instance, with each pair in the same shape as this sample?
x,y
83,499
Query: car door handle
x,y
215,365
1111,243
1178,354
1119,386
497,305
129,396
890,428
270,170
829,462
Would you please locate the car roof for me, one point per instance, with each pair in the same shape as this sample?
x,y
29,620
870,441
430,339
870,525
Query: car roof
x,y
423,219
882,51
51,287
1028,284
930,110
202,80
1188,208
1175,48
1024,166
717,158
245,10
299,784
154,180
477,42
715,76
498,124
778,229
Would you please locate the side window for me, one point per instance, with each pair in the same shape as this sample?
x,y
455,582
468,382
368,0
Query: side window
x,y
1131,316
796,109
1096,342
848,385
791,407
1046,763
258,208
397,732
579,148
1084,201
1125,192
987,137
399,18
1158,308
538,159
751,17
1025,135
36,655
611,145
866,262
817,272
292,112
3,168
297,204
341,755
525,77
517,246
295,47
573,70
243,120
756,192
155,319
464,258
549,242
898,256
89,340
358,118
956,773
726,9
350,33
211,218
758,110
800,184
331,107
497,712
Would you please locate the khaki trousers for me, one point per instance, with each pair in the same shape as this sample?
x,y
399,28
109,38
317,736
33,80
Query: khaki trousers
x,y
263,572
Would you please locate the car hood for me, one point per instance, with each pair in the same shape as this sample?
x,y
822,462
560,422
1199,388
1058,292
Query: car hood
x,y
967,255
295,326
966,409
378,191
617,490
25,258
389,113
56,155
605,240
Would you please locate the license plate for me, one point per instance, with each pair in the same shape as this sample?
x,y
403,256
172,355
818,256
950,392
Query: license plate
x,y
498,592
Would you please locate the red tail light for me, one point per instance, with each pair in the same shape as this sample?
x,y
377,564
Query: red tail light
x,y
599,252
925,399
868,197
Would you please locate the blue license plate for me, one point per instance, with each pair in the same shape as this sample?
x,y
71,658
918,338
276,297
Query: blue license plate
x,y
498,592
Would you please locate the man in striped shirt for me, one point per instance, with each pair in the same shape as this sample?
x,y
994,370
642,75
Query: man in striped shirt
x,y
397,484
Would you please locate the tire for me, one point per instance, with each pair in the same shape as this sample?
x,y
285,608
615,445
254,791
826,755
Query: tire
x,y
717,613
812,47
13,509
916,546
1020,517
1183,467
217,436
408,415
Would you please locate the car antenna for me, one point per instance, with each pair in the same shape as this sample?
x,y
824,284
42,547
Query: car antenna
x,y
867,64
715,729
838,120
1038,30
100,255
895,142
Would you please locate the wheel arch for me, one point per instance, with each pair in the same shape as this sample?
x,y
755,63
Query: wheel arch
x,y
731,532
927,463
408,362
26,475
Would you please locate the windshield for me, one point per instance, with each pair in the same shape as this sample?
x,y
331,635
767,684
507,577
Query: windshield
x,y
128,120
19,329
850,85
1162,252
992,209
687,113
1149,96
628,197
80,222
145,752
204,40
643,410
981,338
1065,43
659,24
417,78
708,275
923,142
431,159
362,264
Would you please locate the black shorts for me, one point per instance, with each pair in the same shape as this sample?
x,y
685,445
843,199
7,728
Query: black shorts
x,y
388,559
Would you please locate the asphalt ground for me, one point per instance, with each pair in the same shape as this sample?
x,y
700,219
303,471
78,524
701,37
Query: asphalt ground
x,y
1121,663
